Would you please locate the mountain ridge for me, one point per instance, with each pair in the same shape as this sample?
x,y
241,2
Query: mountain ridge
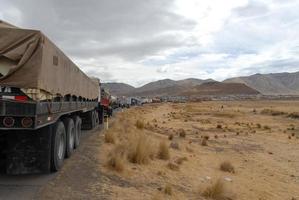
x,y
269,84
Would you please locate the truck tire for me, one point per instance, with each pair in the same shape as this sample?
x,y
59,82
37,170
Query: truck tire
x,y
70,136
78,122
96,117
101,115
58,146
93,119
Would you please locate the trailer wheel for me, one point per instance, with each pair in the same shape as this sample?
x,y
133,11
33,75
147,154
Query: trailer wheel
x,y
101,115
93,119
96,118
78,123
58,146
70,136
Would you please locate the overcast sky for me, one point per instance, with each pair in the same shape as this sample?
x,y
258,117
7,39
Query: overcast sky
x,y
138,41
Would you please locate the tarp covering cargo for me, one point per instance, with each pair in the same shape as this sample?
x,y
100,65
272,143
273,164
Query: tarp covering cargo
x,y
29,60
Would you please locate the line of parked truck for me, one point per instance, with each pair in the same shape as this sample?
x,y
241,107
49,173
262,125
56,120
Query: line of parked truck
x,y
45,102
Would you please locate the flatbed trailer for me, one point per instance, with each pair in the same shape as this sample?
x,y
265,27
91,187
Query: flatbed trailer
x,y
45,101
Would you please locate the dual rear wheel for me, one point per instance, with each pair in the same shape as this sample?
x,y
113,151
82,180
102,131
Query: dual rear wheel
x,y
65,138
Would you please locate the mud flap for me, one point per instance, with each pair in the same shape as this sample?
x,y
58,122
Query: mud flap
x,y
29,152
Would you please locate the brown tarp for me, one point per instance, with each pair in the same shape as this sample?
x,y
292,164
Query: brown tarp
x,y
29,60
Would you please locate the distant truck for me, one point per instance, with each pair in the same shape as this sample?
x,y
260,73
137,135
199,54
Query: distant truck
x,y
45,101
107,103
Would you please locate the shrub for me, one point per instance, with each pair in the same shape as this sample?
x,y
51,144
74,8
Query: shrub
x,y
109,137
204,142
173,166
168,189
182,133
294,115
163,152
175,145
272,112
170,137
258,125
139,124
140,149
267,127
215,191
226,166
116,161
180,160
219,126
206,137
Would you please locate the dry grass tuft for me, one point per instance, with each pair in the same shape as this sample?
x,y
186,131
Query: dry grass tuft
x,y
294,115
168,189
267,127
110,137
272,112
206,137
216,191
258,125
227,115
204,142
116,159
163,152
182,133
180,160
173,166
226,166
140,149
116,163
139,124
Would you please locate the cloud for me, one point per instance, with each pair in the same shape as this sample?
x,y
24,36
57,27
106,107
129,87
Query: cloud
x,y
136,41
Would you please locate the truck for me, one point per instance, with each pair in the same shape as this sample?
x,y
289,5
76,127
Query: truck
x,y
45,102
106,103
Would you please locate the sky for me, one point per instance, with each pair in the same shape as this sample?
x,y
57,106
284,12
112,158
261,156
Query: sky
x,y
138,41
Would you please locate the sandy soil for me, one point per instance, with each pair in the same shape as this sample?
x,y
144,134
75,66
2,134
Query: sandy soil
x,y
262,147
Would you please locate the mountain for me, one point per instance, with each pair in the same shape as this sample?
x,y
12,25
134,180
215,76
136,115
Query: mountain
x,y
206,88
168,83
219,88
271,84
193,82
118,89
160,87
157,85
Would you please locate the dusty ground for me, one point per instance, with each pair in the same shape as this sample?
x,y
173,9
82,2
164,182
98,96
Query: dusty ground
x,y
261,143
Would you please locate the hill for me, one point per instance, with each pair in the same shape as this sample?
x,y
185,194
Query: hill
x,y
271,84
160,87
219,88
268,84
118,89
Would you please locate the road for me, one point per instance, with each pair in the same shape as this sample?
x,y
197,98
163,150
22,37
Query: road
x,y
25,187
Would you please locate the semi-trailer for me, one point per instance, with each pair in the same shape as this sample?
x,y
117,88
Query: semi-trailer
x,y
45,101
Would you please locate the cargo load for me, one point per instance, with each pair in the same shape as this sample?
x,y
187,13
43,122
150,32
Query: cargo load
x,y
31,62
45,102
